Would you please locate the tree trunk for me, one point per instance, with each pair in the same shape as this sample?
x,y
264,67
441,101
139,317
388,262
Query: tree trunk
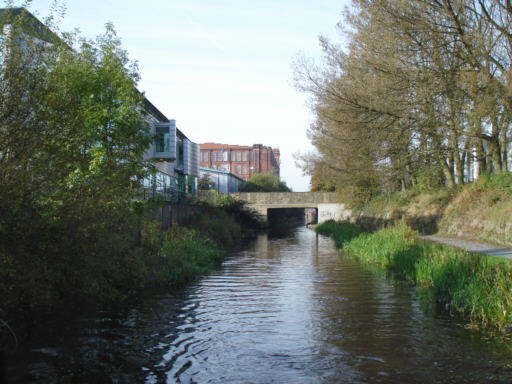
x,y
448,174
481,157
504,150
495,148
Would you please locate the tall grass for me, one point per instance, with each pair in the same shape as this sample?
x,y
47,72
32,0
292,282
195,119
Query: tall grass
x,y
174,257
180,254
475,286
341,232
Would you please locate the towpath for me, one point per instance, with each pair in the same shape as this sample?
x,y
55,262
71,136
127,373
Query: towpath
x,y
471,245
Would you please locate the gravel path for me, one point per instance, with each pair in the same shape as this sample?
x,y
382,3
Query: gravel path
x,y
472,245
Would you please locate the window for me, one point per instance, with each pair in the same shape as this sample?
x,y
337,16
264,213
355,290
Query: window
x,y
205,156
239,169
244,156
225,156
181,183
251,156
191,180
181,153
225,167
162,139
244,169
238,156
149,181
232,156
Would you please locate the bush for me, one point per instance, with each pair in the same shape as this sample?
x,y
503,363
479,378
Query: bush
x,y
218,227
264,182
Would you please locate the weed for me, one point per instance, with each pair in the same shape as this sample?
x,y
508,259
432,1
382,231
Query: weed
x,y
475,286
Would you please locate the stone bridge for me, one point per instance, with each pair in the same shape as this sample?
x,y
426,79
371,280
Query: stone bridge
x,y
326,203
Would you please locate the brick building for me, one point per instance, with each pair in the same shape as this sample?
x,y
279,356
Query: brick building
x,y
241,160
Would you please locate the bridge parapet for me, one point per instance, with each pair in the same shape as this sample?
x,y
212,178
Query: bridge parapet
x,y
327,203
280,198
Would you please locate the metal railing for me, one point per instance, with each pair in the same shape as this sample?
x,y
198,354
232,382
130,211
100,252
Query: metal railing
x,y
168,194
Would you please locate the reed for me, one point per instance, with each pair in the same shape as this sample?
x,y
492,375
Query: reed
x,y
474,286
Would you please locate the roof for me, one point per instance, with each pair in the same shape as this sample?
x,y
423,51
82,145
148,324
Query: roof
x,y
155,111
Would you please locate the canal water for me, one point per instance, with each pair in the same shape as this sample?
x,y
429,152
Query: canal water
x,y
287,309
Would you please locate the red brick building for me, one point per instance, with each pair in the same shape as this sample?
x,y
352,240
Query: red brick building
x,y
241,160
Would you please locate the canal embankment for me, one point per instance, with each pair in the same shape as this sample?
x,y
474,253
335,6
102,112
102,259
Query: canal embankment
x,y
284,308
114,264
481,210
473,286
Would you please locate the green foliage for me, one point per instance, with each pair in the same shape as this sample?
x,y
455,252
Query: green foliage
x,y
341,232
218,226
389,247
221,200
472,285
172,257
409,109
440,198
203,184
181,254
237,209
264,182
429,179
500,184
73,131
72,136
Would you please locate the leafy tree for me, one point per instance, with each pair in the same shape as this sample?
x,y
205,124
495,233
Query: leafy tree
x,y
73,131
265,182
421,91
203,183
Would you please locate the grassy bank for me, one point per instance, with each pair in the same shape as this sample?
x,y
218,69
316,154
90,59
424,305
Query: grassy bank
x,y
481,210
476,287
111,265
180,254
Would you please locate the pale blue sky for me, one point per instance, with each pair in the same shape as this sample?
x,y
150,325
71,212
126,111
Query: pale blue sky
x,y
221,68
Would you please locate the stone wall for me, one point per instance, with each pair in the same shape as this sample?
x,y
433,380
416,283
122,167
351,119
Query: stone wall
x,y
287,198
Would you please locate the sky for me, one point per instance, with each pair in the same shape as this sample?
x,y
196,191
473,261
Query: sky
x,y
221,68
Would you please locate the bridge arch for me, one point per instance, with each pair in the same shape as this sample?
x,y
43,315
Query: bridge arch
x,y
326,203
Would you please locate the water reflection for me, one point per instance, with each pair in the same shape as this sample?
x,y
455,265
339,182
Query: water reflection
x,y
286,309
